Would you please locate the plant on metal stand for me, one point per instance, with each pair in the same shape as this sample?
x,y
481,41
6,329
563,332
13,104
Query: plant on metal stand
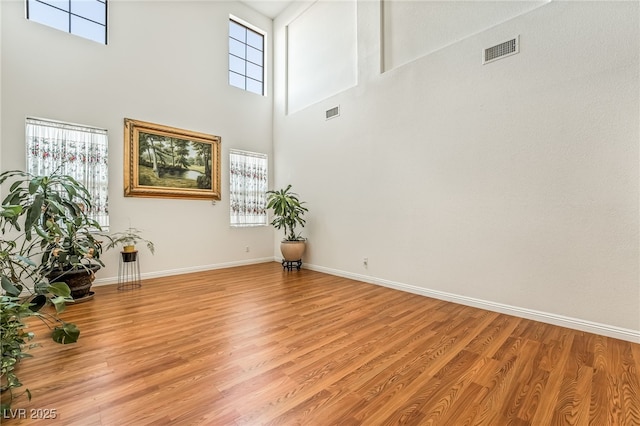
x,y
288,213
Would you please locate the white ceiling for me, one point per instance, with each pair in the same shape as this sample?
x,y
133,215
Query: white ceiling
x,y
270,8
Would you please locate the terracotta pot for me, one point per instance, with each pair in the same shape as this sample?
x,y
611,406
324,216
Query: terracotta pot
x,y
292,250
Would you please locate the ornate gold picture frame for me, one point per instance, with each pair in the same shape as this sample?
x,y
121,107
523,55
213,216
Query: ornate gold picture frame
x,y
166,162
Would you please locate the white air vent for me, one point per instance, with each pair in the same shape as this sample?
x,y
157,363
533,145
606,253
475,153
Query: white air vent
x,y
333,112
501,50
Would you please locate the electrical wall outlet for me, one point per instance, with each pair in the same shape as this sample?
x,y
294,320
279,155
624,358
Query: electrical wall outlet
x,y
365,261
246,249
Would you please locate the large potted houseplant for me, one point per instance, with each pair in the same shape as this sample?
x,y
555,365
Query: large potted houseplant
x,y
57,227
25,290
288,212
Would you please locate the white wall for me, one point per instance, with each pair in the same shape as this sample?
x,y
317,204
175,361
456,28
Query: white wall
x,y
512,185
321,58
166,62
412,30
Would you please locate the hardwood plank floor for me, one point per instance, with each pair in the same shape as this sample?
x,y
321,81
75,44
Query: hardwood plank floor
x,y
256,345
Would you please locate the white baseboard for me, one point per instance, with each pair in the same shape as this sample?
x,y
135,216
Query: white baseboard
x,y
179,271
545,317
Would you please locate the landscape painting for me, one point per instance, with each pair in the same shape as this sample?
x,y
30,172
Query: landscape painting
x,y
168,162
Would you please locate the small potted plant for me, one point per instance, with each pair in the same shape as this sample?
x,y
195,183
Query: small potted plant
x,y
128,240
288,213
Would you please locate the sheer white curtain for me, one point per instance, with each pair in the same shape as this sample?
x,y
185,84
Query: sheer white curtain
x,y
78,151
248,188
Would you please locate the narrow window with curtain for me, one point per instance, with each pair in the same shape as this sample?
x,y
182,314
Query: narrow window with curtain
x,y
248,188
75,150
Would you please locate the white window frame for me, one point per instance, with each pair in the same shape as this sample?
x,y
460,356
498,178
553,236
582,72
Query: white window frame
x,y
264,54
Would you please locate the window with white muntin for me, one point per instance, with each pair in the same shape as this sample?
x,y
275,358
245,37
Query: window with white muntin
x,y
246,57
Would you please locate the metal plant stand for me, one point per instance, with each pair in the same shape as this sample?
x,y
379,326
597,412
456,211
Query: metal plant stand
x,y
290,264
129,271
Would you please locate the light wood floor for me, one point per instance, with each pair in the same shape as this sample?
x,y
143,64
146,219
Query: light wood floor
x,y
258,345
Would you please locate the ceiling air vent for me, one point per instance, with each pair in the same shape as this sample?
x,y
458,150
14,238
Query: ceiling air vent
x,y
501,50
333,112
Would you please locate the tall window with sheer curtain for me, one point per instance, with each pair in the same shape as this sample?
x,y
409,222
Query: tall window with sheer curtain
x,y
75,150
248,188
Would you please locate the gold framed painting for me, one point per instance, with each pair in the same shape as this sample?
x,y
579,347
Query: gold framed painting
x,y
166,162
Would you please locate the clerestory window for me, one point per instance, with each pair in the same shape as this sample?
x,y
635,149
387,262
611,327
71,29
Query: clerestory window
x,y
84,18
246,58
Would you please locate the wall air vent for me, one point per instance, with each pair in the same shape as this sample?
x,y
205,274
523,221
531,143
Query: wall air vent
x,y
501,50
333,112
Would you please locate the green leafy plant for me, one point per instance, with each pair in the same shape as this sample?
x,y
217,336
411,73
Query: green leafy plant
x,y
288,212
55,220
130,237
44,228
13,339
